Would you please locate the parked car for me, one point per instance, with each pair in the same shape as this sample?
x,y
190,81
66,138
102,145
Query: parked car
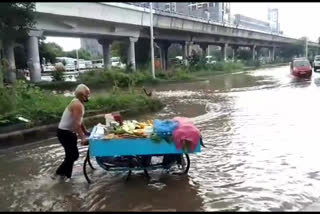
x,y
178,60
97,63
81,65
88,64
210,60
67,62
48,68
300,67
316,62
115,62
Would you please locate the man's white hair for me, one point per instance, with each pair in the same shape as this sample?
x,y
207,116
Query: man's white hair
x,y
81,89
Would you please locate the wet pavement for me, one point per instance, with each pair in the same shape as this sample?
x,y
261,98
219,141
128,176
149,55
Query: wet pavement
x,y
261,133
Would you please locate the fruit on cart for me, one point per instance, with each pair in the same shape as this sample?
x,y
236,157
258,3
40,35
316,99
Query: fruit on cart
x,y
119,130
139,132
111,136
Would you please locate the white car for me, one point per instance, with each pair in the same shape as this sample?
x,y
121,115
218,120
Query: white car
x,y
316,62
88,64
48,68
81,64
210,60
97,63
115,62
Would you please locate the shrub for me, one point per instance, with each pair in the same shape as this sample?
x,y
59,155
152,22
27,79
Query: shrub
x,y
42,107
57,74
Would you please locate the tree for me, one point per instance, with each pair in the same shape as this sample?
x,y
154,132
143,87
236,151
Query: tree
x,y
16,18
291,51
82,54
49,51
20,57
175,50
244,54
120,49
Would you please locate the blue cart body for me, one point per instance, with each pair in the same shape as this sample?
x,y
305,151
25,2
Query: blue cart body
x,y
139,146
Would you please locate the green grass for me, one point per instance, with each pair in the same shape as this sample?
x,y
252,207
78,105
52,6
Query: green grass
x,y
44,107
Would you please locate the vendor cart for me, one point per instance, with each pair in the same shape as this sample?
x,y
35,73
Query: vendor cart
x,y
135,154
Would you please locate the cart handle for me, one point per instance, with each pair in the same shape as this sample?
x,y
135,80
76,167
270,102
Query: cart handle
x,y
201,142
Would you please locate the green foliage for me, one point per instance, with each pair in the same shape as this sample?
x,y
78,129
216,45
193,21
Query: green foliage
x,y
291,51
175,50
216,54
29,102
123,79
194,59
42,107
57,75
121,101
120,49
252,63
142,49
82,54
118,77
16,18
4,69
50,51
244,54
20,58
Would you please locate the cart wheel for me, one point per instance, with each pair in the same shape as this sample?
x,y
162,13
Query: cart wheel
x,y
101,164
186,163
89,161
86,160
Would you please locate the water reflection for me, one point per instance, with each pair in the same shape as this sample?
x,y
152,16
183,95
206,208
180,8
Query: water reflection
x,y
300,82
141,195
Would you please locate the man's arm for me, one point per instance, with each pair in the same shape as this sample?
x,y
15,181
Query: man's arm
x,y
76,110
84,129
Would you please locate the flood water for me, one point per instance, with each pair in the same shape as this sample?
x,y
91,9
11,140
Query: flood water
x,y
261,131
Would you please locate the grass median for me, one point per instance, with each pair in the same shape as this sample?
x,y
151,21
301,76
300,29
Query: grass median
x,y
42,107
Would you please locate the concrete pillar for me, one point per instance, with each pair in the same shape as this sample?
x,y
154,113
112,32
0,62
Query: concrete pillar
x,y
189,47
184,55
164,46
234,52
131,51
269,52
106,43
204,48
224,51
273,53
33,58
8,49
253,50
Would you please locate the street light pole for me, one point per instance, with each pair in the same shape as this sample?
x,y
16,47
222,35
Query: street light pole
x,y
306,47
151,41
77,59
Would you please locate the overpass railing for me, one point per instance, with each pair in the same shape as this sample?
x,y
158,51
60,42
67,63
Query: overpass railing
x,y
201,19
210,21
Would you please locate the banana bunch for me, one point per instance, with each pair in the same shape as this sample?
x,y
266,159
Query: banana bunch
x,y
142,125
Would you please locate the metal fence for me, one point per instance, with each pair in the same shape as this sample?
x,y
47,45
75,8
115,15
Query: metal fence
x,y
201,19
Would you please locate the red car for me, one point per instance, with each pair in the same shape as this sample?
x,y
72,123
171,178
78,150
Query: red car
x,y
301,68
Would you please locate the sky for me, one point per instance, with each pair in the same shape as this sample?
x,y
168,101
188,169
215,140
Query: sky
x,y
296,20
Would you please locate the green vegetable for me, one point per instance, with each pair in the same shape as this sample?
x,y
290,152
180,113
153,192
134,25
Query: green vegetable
x,y
119,131
156,138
